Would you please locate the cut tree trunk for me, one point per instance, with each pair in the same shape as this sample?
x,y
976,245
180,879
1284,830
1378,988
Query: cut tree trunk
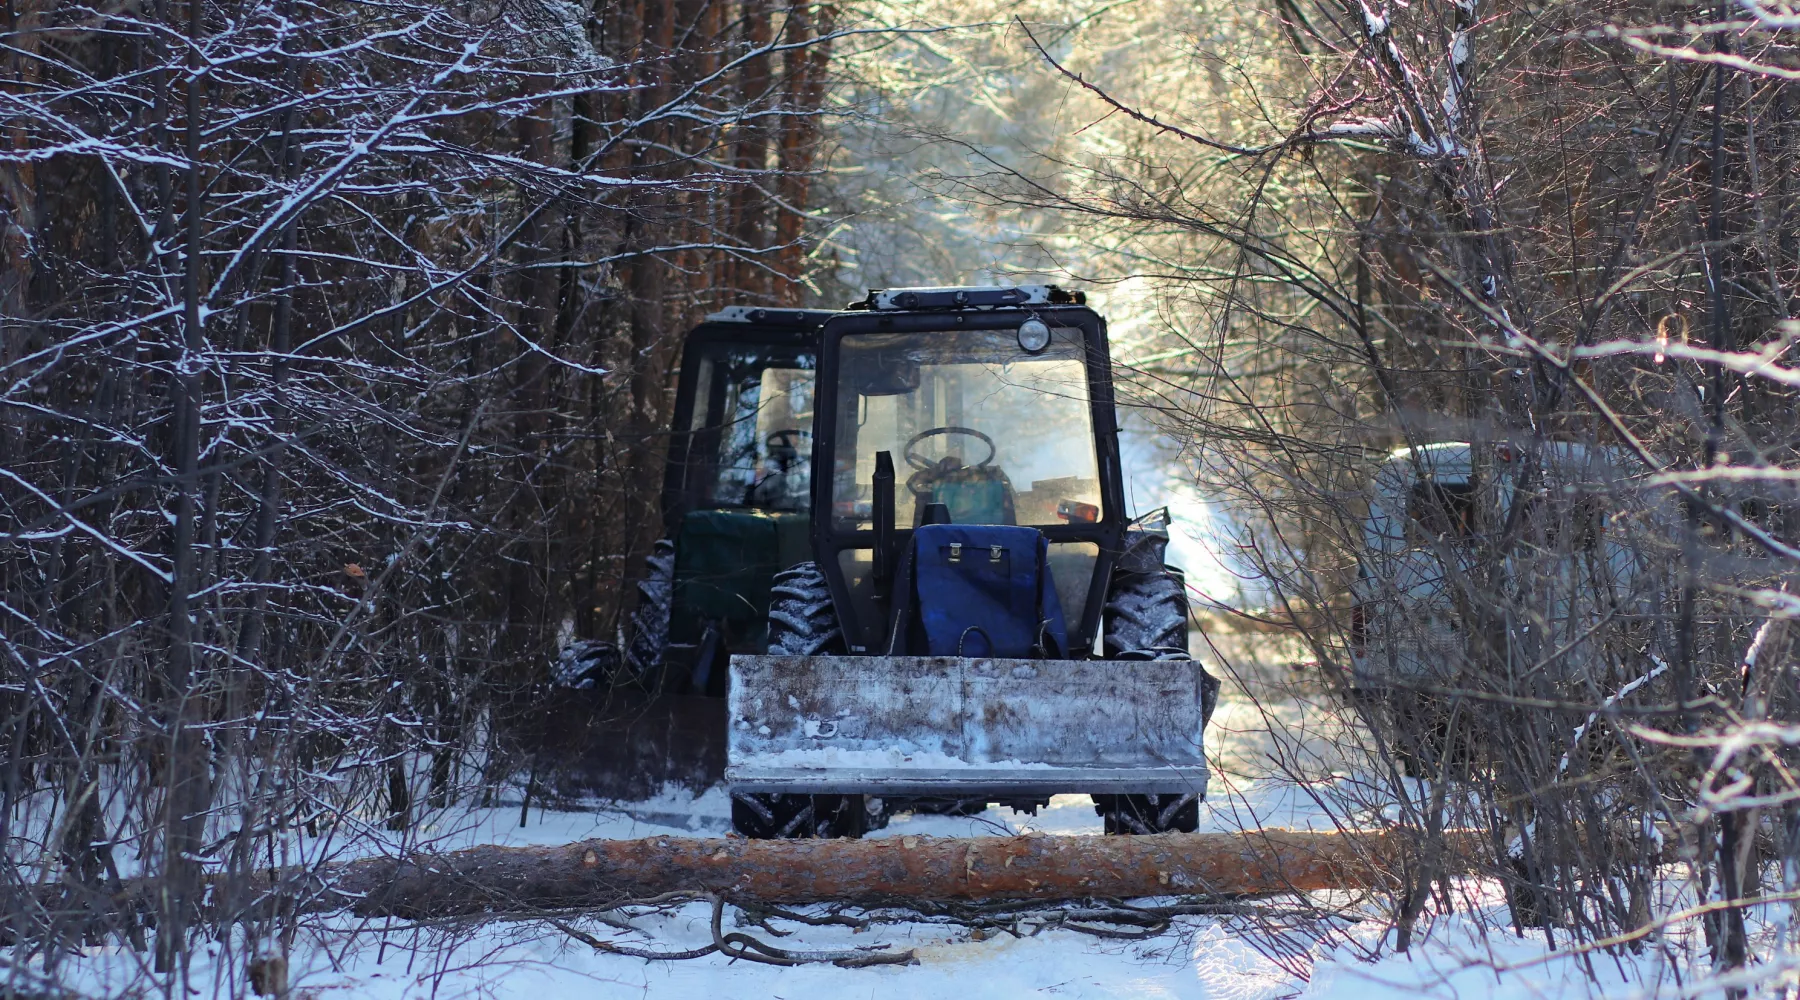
x,y
605,873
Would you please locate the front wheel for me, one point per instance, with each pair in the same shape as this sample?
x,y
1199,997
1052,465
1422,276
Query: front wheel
x,y
1146,618
1126,814
802,620
799,817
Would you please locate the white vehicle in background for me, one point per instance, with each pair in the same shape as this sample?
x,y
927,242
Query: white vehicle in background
x,y
1523,570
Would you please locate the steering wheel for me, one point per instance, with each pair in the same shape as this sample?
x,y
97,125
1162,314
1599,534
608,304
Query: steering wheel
x,y
924,464
784,450
787,437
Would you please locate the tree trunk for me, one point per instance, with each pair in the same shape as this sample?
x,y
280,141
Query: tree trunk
x,y
749,217
189,784
800,131
601,873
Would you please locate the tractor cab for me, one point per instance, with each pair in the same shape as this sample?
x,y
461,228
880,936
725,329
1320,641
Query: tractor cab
x,y
982,415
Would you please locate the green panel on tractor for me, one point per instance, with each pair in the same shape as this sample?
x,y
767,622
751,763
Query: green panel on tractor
x,y
725,563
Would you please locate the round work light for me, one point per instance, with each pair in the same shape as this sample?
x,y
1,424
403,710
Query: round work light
x,y
1034,336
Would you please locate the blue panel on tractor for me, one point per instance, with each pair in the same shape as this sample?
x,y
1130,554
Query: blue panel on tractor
x,y
985,590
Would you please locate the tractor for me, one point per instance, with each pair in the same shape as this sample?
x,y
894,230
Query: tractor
x,y
897,554
991,627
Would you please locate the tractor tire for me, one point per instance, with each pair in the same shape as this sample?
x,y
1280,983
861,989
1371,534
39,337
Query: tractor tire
x,y
649,639
799,817
1146,619
1146,616
590,664
585,664
1127,814
802,621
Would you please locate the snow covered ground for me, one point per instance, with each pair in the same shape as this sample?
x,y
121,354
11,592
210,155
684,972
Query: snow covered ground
x,y
1196,957
1199,957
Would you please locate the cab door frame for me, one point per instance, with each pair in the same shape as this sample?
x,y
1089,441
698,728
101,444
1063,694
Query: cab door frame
x,y
829,543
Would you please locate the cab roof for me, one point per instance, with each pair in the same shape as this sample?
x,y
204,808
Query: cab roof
x,y
968,297
771,317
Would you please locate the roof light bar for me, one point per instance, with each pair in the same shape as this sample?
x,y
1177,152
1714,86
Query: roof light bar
x,y
971,297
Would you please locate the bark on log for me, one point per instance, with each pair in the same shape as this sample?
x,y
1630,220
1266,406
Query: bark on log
x,y
604,873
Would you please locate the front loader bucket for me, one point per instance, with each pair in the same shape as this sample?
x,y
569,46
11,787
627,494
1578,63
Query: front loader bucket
x,y
964,727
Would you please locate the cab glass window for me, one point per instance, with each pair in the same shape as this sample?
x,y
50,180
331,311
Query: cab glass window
x,y
752,427
996,433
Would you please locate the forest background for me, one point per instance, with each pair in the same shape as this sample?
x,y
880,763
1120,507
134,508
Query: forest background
x,y
338,339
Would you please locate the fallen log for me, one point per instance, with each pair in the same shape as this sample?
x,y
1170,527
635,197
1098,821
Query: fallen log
x,y
607,873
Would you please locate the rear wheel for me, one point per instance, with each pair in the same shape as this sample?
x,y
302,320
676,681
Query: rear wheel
x,y
796,817
649,640
596,663
1146,616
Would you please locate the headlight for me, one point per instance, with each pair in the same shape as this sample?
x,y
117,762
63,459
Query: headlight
x,y
1034,336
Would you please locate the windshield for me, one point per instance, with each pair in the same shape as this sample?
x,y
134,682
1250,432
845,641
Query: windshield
x,y
997,434
752,424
